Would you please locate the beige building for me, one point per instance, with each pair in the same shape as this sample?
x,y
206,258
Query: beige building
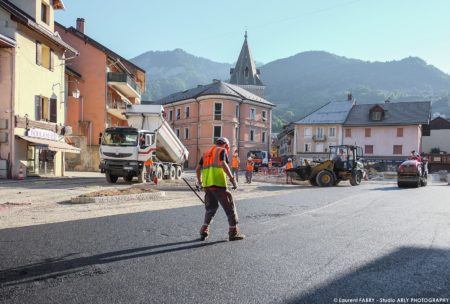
x,y
323,128
32,89
201,115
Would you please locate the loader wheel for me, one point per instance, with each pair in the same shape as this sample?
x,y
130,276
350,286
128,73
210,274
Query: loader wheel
x,y
356,178
325,179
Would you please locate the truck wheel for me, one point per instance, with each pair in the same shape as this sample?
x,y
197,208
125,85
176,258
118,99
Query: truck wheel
x,y
172,173
356,178
112,179
179,172
325,179
141,176
128,178
159,173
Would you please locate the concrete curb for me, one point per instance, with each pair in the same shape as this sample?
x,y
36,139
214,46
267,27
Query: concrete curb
x,y
117,198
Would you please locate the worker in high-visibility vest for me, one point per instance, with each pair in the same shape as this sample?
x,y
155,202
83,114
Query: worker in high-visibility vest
x,y
212,171
249,170
288,165
235,165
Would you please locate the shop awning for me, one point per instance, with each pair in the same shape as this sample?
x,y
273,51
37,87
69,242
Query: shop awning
x,y
52,145
117,113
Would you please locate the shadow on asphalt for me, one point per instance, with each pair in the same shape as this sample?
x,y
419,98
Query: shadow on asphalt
x,y
409,272
387,188
65,265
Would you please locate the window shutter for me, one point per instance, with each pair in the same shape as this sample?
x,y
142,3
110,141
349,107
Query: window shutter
x,y
53,116
38,53
37,107
52,62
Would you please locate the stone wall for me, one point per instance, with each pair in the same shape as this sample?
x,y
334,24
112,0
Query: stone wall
x,y
87,160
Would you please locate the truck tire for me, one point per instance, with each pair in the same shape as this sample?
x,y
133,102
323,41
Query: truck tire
x,y
159,173
172,173
356,178
325,179
112,179
128,178
179,172
141,176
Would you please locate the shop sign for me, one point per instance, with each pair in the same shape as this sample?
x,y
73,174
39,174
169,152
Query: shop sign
x,y
39,133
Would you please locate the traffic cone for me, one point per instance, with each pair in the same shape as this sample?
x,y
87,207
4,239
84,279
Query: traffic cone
x,y
21,177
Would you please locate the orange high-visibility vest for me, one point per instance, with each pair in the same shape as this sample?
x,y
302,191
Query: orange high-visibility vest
x,y
270,164
249,166
235,162
289,165
212,171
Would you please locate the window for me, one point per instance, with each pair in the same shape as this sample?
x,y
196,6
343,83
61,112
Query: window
x,y
178,111
170,115
368,149
177,132
45,13
307,147
397,149
367,132
307,132
217,111
319,133
217,132
237,134
264,115
186,133
332,132
44,56
252,135
186,112
253,113
263,137
237,110
399,132
348,132
53,110
376,115
246,72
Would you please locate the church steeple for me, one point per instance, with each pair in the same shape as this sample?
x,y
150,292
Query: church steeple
x,y
245,74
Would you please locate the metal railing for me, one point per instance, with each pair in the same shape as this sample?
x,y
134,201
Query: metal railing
x,y
123,77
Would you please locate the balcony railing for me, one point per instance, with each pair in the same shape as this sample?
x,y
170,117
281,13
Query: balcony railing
x,y
321,138
123,78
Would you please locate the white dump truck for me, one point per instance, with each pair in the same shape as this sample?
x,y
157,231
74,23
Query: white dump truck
x,y
146,149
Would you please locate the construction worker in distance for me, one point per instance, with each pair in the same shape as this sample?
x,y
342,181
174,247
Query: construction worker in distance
x,y
212,171
249,170
235,165
288,165
269,166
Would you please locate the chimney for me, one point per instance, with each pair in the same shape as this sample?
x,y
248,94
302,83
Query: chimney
x,y
80,25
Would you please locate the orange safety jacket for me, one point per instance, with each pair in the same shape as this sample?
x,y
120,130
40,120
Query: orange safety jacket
x,y
250,166
235,162
212,171
289,165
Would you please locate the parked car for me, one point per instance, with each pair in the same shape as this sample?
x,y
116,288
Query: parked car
x,y
412,173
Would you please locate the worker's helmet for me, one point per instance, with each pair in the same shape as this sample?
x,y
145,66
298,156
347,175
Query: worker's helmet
x,y
249,159
223,141
289,159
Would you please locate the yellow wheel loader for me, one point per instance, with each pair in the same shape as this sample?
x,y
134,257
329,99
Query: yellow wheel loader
x,y
343,163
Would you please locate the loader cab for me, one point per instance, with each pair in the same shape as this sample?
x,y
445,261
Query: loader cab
x,y
345,157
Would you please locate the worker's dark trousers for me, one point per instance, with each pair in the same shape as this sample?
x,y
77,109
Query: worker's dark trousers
x,y
214,196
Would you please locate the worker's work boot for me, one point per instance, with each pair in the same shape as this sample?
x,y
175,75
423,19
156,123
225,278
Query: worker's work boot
x,y
235,235
204,232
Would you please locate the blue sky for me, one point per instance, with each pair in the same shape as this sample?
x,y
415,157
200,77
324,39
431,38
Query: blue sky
x,y
373,30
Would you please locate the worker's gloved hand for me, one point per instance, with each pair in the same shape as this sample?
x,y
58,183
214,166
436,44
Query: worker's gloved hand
x,y
233,182
198,186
